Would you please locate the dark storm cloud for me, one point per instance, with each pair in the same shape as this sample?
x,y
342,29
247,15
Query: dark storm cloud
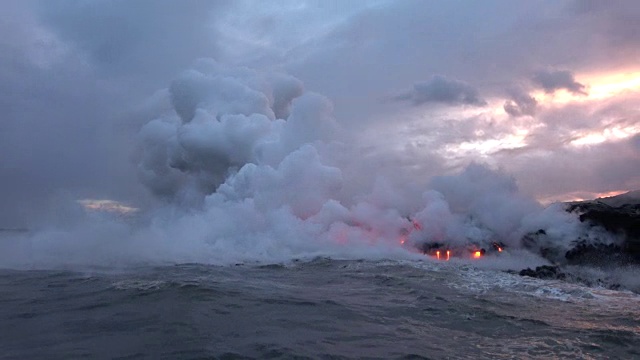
x,y
441,90
551,81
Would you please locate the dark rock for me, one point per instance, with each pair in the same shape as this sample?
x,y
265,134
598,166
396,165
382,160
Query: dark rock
x,y
544,272
539,243
623,221
607,216
614,286
584,253
597,282
427,246
547,272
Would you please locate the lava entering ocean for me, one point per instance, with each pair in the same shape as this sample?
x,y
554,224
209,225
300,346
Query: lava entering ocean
x,y
248,167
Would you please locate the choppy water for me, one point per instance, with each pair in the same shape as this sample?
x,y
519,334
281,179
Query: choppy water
x,y
319,309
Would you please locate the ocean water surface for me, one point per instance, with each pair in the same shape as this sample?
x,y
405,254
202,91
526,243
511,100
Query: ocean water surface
x,y
319,309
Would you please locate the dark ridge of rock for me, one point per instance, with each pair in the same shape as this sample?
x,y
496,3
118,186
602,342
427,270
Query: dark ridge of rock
x,y
603,255
622,220
427,247
603,283
544,272
539,243
619,215
548,272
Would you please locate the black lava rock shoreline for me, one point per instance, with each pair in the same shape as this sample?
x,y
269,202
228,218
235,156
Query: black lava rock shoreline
x,y
622,221
612,217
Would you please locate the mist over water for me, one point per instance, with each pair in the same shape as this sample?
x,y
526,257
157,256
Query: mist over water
x,y
248,167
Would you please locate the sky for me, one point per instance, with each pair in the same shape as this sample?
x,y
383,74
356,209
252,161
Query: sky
x,y
546,91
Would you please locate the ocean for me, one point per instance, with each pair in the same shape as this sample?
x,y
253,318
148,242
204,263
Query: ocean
x,y
314,309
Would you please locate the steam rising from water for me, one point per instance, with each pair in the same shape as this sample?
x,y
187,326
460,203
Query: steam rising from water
x,y
252,168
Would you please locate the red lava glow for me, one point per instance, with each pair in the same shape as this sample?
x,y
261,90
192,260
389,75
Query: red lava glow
x,y
416,225
444,255
440,256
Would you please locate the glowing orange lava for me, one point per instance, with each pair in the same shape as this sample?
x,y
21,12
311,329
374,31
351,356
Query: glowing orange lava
x,y
477,254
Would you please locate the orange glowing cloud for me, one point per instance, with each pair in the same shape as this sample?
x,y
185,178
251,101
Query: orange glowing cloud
x,y
600,86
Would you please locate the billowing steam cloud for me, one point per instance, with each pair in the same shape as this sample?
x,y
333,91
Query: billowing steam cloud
x,y
245,163
225,119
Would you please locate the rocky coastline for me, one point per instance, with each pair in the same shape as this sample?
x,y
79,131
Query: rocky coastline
x,y
618,216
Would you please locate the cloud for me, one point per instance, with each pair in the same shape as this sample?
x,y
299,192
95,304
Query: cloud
x,y
249,163
635,141
142,39
70,72
614,21
225,117
562,170
440,90
552,80
520,103
589,146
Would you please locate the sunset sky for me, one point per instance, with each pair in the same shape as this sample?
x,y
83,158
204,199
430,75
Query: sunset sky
x,y
547,91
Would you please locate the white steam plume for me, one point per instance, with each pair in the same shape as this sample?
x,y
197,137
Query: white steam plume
x,y
245,163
